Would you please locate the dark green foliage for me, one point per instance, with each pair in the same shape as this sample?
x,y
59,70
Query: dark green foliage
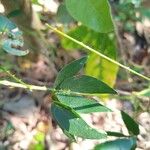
x,y
116,134
14,13
69,103
69,71
86,84
131,125
82,104
70,136
71,122
119,144
96,22
66,108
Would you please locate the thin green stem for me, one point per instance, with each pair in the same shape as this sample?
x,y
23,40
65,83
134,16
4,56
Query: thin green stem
x,y
97,52
20,83
14,77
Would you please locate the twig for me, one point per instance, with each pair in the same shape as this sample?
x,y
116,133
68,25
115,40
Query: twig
x,y
26,86
97,52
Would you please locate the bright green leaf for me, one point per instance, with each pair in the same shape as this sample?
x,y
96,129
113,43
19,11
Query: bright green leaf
x,y
82,104
105,43
81,33
91,13
38,142
39,137
86,84
71,122
69,70
119,144
102,69
131,125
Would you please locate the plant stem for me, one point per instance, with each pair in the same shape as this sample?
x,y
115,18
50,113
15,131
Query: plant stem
x,y
14,77
20,83
26,86
98,53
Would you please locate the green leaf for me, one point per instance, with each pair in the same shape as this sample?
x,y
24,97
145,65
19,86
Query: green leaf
x,y
131,125
119,144
10,46
62,14
38,142
116,134
91,13
70,136
97,66
104,43
71,122
81,33
39,137
86,84
82,104
6,24
69,70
